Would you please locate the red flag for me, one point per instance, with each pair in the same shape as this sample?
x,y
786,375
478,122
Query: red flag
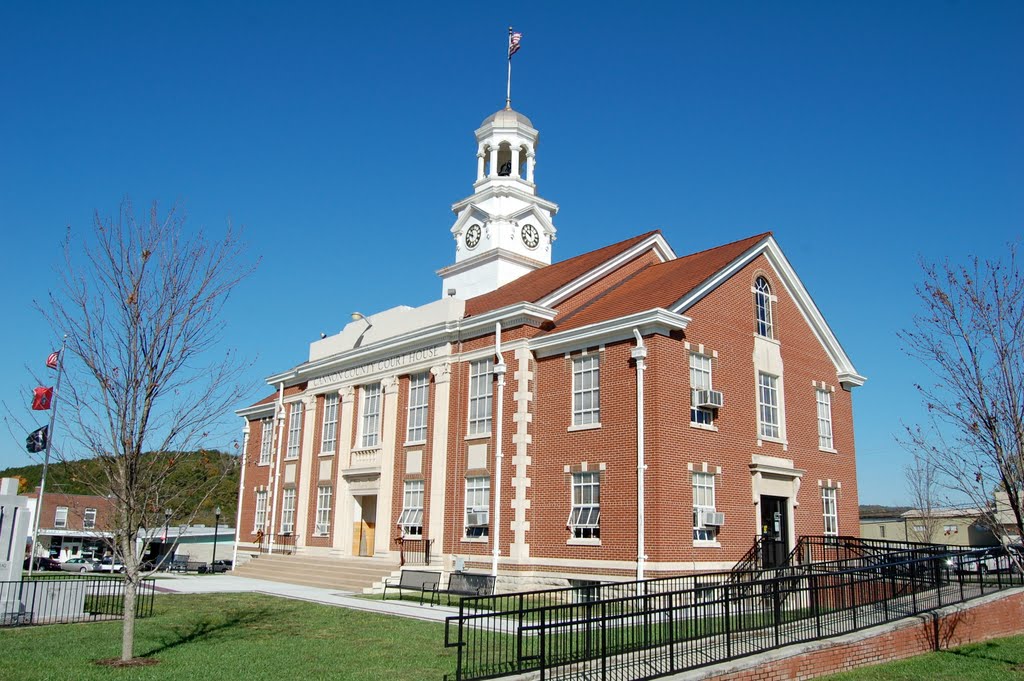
x,y
41,398
51,361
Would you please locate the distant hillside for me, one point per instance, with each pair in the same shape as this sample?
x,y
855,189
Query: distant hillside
x,y
190,469
876,511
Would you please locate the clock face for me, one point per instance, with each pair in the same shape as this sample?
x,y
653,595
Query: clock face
x,y
531,237
472,236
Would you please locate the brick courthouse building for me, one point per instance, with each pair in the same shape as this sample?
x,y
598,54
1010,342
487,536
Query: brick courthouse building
x,y
628,412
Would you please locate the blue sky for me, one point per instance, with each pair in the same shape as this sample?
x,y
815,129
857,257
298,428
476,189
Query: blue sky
x,y
865,135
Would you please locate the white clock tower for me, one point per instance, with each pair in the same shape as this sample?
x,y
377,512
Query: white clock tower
x,y
503,230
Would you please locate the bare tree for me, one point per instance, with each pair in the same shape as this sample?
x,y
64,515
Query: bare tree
x,y
922,484
140,301
970,336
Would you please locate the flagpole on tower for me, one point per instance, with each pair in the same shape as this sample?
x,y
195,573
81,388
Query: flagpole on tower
x,y
46,457
513,47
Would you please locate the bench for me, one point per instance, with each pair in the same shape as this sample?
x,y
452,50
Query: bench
x,y
423,581
467,584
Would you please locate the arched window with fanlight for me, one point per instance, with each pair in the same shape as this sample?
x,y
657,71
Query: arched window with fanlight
x,y
763,308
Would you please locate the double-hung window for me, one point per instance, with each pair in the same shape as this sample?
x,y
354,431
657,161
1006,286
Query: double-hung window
x,y
288,510
89,519
411,520
586,390
60,517
478,500
370,433
294,431
323,511
763,308
768,405
829,511
585,517
419,394
266,440
330,426
703,504
700,379
261,511
824,399
481,394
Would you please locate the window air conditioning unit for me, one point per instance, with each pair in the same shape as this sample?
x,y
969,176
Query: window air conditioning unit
x,y
320,528
714,518
476,519
709,399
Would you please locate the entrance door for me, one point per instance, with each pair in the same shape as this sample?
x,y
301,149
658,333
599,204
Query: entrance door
x,y
774,531
363,529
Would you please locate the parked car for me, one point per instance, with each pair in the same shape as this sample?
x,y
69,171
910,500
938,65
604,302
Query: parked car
x,y
215,567
993,559
43,563
80,565
108,564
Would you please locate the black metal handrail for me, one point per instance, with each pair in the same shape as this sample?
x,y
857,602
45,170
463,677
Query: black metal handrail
x,y
63,599
642,630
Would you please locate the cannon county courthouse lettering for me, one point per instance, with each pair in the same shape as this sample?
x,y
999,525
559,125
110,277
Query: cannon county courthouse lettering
x,y
630,412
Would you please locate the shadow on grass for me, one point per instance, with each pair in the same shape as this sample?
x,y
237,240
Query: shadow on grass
x,y
207,628
980,651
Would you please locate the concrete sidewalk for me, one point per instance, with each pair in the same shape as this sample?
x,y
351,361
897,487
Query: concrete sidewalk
x,y
226,583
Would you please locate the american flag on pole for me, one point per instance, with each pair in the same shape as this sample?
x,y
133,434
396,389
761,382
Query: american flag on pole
x,y
51,360
513,42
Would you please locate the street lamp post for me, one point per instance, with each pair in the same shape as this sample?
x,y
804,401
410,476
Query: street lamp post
x,y
216,527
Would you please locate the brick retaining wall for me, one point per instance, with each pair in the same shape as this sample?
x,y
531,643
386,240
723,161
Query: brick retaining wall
x,y
1000,614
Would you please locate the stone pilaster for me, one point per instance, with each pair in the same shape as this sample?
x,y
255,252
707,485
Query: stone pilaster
x,y
521,439
439,453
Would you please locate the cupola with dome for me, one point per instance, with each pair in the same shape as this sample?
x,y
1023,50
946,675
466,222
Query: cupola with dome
x,y
503,229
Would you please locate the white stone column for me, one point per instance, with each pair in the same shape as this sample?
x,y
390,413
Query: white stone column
x,y
439,454
494,162
479,165
531,161
515,162
342,536
389,446
306,469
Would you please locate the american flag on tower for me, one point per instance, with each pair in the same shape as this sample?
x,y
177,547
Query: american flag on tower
x,y
513,42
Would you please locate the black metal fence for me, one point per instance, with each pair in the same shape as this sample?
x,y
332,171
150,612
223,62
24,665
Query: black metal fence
x,y
644,630
283,544
414,551
60,599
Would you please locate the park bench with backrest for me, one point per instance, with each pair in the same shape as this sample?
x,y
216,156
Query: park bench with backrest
x,y
422,581
467,584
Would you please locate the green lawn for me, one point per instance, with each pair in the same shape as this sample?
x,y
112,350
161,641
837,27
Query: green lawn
x,y
996,660
229,636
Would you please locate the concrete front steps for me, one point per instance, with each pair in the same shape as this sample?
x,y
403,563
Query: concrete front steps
x,y
344,574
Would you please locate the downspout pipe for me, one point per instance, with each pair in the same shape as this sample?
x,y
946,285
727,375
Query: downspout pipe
x,y
499,372
639,353
241,492
277,466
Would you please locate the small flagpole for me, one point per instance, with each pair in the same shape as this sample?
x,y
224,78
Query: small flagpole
x,y
46,457
508,84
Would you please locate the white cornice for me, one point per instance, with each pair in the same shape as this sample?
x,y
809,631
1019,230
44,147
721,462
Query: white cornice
x,y
256,410
655,241
845,370
657,320
501,192
488,256
426,337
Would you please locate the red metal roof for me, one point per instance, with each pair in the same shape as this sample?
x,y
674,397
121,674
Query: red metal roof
x,y
533,286
659,285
